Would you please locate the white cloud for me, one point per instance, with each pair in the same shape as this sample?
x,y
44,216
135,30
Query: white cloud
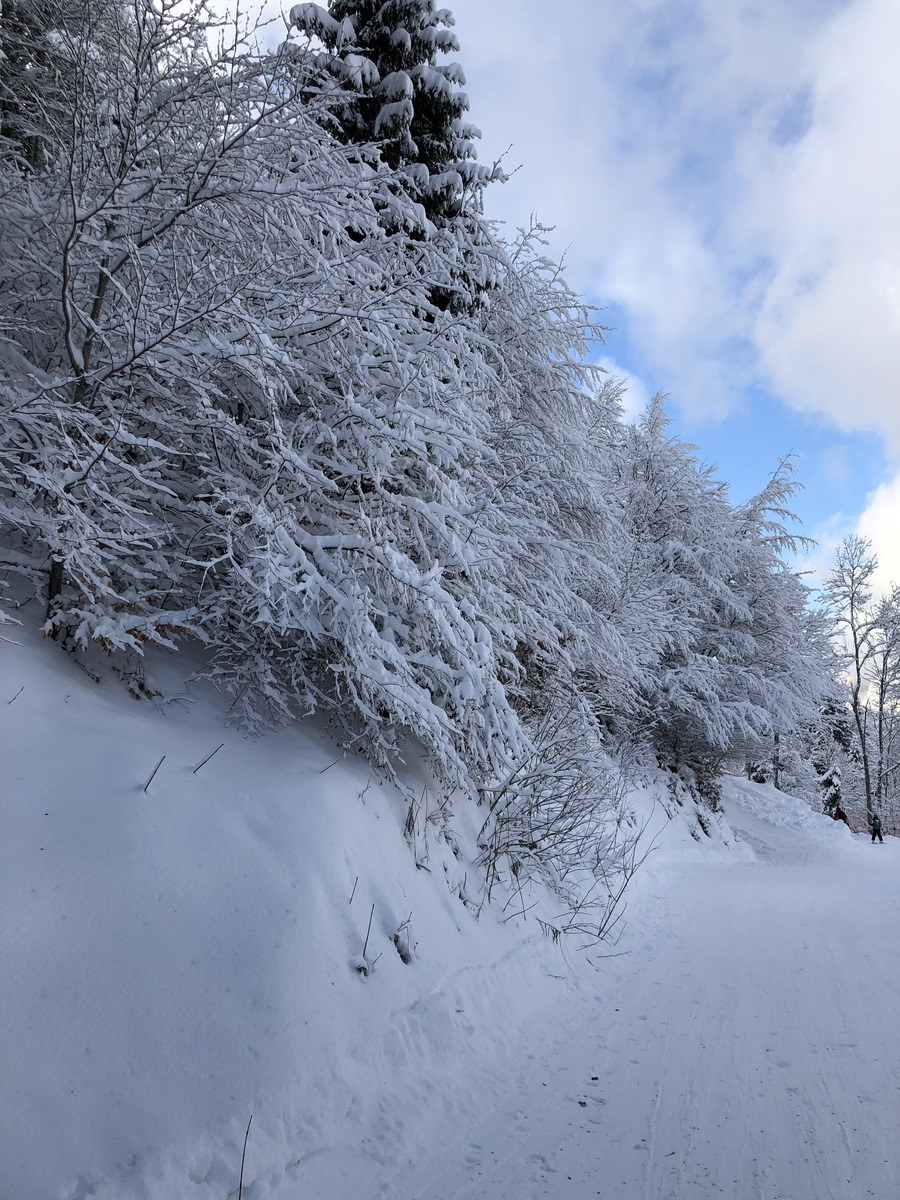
x,y
829,326
726,173
880,523
579,100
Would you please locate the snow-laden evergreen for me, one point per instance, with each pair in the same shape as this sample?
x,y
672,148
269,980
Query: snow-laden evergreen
x,y
399,95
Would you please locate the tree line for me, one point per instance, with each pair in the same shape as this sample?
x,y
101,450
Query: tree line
x,y
271,382
856,748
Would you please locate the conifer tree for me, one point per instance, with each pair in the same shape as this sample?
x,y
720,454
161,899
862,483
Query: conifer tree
x,y
386,56
830,783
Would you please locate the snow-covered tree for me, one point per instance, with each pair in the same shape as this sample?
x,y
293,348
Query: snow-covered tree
x,y
386,55
848,591
886,696
734,659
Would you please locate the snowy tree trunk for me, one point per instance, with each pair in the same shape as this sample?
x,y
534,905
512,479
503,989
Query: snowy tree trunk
x,y
849,591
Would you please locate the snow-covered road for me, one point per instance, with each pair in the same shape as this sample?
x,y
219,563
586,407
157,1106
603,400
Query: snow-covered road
x,y
748,1046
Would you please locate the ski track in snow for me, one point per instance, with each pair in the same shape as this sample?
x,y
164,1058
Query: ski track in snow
x,y
747,1047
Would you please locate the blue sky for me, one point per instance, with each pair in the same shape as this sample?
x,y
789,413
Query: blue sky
x,y
723,177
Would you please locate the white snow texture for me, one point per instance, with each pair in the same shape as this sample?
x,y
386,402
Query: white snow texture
x,y
178,958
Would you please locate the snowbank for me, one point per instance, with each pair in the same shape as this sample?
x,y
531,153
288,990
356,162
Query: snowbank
x,y
182,955
778,827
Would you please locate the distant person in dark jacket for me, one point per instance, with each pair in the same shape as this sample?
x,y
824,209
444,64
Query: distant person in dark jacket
x,y
876,828
840,815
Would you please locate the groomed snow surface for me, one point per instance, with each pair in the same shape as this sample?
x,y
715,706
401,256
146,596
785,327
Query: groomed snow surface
x,y
177,959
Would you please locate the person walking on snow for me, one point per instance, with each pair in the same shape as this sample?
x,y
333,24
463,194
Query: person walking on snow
x,y
876,828
840,815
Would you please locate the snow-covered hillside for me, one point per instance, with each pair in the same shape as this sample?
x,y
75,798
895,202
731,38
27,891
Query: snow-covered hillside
x,y
177,959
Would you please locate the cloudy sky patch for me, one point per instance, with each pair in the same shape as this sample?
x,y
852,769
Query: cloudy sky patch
x,y
725,182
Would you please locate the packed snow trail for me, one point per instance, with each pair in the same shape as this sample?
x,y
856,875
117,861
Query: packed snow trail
x,y
747,1046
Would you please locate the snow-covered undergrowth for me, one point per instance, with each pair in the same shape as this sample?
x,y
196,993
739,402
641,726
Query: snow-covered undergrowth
x,y
180,956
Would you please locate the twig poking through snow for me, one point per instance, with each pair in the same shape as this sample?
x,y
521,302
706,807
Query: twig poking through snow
x,y
18,694
519,914
155,769
369,930
206,760
243,1156
353,893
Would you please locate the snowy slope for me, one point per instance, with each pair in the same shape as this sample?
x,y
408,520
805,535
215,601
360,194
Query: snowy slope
x,y
176,960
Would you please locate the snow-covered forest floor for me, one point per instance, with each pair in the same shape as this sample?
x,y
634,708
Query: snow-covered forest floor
x,y
178,958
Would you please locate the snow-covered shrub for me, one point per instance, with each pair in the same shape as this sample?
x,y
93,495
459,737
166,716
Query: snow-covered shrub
x,y
558,814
